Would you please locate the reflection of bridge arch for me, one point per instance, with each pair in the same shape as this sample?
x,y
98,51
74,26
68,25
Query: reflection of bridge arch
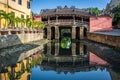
x,y
75,18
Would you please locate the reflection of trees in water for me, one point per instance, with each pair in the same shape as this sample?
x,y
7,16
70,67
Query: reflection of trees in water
x,y
65,42
70,68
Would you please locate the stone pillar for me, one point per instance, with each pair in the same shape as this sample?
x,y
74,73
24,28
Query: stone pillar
x,y
73,32
81,33
49,48
81,50
73,49
57,49
49,33
57,32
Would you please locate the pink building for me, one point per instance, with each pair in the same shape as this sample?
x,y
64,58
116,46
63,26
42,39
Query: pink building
x,y
100,23
36,18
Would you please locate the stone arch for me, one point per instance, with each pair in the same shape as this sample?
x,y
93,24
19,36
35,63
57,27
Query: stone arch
x,y
65,34
45,33
77,33
52,33
85,32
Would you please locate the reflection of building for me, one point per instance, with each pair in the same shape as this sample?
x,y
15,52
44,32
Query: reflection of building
x,y
21,8
65,60
16,71
78,60
76,49
19,71
96,60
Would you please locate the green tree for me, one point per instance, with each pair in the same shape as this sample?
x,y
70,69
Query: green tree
x,y
28,22
12,20
116,12
7,16
23,22
41,25
18,21
94,11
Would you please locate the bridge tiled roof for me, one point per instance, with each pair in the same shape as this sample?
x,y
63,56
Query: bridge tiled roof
x,y
64,11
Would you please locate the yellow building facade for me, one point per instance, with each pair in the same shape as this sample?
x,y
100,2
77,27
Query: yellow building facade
x,y
21,8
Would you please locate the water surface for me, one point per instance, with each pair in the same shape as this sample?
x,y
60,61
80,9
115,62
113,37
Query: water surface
x,y
67,60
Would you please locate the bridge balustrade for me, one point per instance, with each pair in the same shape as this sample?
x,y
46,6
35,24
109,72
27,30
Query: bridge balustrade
x,y
66,21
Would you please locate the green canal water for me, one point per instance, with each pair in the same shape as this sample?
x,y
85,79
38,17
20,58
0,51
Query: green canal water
x,y
67,60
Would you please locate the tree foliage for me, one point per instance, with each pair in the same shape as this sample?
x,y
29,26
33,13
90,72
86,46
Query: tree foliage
x,y
94,11
12,21
8,17
116,12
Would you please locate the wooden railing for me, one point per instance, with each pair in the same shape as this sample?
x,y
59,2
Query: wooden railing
x,y
66,22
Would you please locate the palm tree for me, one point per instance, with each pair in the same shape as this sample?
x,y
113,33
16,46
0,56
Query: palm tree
x,y
12,20
7,17
28,22
41,25
17,21
1,12
23,22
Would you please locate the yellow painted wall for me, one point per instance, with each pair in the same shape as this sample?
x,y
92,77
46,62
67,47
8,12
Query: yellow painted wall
x,y
14,7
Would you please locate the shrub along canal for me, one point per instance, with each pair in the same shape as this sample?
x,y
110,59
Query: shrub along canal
x,y
66,60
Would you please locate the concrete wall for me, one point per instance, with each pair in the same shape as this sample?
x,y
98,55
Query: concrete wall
x,y
10,40
105,39
101,23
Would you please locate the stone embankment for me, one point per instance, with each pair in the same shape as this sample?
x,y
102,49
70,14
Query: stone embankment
x,y
106,53
15,39
105,38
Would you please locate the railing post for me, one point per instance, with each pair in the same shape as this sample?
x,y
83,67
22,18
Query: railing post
x,y
56,18
82,19
48,20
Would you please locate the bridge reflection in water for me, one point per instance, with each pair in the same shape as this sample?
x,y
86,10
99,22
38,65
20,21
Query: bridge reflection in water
x,y
73,63
76,62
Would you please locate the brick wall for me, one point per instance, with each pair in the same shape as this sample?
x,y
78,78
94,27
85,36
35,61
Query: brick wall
x,y
101,23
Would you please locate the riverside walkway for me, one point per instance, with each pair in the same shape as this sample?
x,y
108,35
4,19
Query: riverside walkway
x,y
114,32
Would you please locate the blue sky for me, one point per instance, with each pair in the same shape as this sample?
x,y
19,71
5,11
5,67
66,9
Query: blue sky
x,y
37,5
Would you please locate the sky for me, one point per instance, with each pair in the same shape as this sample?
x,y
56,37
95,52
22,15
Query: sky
x,y
37,5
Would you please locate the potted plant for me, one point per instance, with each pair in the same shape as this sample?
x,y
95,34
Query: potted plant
x,y
41,26
6,17
28,24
